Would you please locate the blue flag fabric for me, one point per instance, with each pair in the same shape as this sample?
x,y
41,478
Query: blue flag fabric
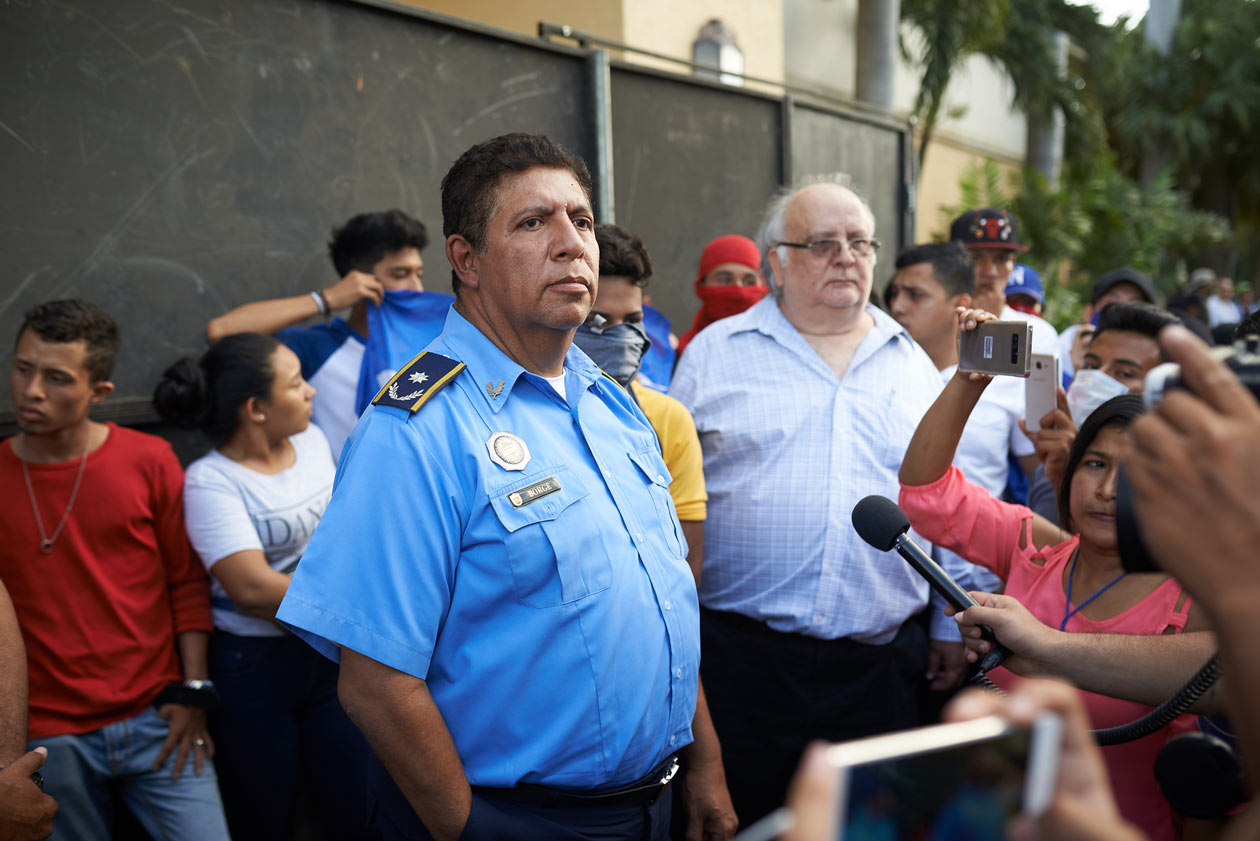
x,y
402,326
658,363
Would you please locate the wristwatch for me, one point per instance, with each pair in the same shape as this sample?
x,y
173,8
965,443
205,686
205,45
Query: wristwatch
x,y
190,693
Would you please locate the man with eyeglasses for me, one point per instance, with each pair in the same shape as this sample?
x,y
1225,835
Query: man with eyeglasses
x,y
804,404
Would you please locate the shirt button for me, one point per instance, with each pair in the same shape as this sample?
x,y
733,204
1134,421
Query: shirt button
x,y
667,605
660,478
677,672
673,739
638,536
818,617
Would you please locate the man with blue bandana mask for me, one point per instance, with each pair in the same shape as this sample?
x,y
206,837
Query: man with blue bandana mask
x,y
614,338
1120,353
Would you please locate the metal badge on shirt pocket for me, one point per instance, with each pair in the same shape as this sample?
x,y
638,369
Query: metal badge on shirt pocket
x,y
508,451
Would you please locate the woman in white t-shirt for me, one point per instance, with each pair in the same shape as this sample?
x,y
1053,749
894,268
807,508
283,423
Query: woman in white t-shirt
x,y
250,505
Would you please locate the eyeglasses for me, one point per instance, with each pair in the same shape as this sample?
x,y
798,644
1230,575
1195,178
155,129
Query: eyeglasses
x,y
829,248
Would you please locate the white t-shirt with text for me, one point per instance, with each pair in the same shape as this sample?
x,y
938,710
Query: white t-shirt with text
x,y
229,508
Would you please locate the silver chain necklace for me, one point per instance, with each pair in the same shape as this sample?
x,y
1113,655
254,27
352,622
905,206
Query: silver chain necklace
x,y
46,542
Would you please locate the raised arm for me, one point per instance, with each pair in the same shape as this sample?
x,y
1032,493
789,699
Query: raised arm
x,y
932,448
277,313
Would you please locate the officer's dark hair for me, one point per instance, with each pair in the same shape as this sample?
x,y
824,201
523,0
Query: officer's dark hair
x,y
366,239
76,320
470,187
951,265
207,393
622,254
1118,411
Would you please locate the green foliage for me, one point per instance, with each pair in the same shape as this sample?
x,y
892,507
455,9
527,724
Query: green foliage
x,y
1198,107
1020,36
980,186
951,31
1194,111
1098,219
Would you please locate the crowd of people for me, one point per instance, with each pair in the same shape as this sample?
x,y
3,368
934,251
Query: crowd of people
x,y
518,563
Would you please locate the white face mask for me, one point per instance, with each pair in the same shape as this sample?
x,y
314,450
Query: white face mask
x,y
1090,389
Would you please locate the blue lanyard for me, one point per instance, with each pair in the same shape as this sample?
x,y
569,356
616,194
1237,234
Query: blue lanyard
x,y
1068,610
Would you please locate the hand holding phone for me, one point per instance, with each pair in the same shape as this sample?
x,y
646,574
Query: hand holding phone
x,y
1081,804
966,779
1000,348
1040,390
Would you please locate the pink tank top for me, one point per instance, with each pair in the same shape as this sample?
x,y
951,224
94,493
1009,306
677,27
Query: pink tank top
x,y
965,519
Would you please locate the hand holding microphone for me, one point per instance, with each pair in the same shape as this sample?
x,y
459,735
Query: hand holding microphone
x,y
881,522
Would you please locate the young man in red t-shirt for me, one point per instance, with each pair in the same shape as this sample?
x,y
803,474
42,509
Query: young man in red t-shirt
x,y
113,605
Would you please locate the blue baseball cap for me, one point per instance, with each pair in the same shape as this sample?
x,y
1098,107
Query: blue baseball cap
x,y
1024,280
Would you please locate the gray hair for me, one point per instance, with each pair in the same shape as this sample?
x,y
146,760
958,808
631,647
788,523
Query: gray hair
x,y
771,230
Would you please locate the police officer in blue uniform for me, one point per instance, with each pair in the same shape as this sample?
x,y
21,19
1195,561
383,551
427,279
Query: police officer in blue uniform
x,y
500,570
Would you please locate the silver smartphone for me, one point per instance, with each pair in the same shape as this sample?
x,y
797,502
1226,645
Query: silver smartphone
x,y
996,347
1041,390
963,780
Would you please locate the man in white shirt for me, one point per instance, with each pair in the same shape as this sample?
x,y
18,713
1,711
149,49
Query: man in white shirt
x,y
1221,306
805,404
931,281
992,239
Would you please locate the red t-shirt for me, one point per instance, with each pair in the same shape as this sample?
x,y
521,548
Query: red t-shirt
x,y
100,613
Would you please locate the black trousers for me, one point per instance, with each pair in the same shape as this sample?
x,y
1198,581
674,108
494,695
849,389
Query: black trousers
x,y
493,819
771,694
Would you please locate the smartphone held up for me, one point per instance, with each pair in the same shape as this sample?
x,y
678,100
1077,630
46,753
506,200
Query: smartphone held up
x,y
1000,348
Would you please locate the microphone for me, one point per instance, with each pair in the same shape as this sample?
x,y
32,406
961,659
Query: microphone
x,y
881,522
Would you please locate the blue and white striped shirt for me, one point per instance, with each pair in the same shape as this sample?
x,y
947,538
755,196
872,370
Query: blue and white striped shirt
x,y
789,449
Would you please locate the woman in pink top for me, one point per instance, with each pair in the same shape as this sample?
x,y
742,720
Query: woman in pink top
x,y
1069,579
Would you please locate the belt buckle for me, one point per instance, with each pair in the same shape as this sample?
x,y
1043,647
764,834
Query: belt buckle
x,y
670,772
666,778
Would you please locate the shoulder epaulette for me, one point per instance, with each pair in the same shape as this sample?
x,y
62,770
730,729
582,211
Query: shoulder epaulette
x,y
417,381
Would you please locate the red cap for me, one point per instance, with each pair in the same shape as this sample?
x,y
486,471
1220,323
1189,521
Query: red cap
x,y
731,248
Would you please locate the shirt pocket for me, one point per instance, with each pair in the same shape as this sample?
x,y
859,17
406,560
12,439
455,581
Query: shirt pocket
x,y
657,479
552,541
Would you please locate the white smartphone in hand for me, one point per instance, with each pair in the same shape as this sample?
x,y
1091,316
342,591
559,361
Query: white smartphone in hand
x,y
963,780
1041,389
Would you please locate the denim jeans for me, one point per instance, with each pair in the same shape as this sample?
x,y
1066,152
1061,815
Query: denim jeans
x,y
279,723
84,771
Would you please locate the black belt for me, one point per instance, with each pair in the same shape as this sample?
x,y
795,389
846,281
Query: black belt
x,y
642,792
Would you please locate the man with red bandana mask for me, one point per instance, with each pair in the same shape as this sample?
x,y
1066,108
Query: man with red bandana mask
x,y
729,282
1023,290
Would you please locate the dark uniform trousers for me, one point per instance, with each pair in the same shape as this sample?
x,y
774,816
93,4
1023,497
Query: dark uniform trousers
x,y
770,694
495,819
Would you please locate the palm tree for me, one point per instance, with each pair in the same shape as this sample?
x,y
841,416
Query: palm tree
x,y
950,31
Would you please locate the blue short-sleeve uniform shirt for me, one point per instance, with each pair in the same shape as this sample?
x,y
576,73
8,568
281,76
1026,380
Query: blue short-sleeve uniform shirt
x,y
550,609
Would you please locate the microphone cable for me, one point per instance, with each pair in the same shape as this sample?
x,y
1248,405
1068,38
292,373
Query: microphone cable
x,y
1156,719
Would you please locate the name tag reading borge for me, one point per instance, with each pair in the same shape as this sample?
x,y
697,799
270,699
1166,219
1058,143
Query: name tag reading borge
x,y
535,491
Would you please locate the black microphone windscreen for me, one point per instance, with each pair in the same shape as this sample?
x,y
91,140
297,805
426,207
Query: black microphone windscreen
x,y
879,520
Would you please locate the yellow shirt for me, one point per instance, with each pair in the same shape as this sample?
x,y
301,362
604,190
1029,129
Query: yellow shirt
x,y
680,445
